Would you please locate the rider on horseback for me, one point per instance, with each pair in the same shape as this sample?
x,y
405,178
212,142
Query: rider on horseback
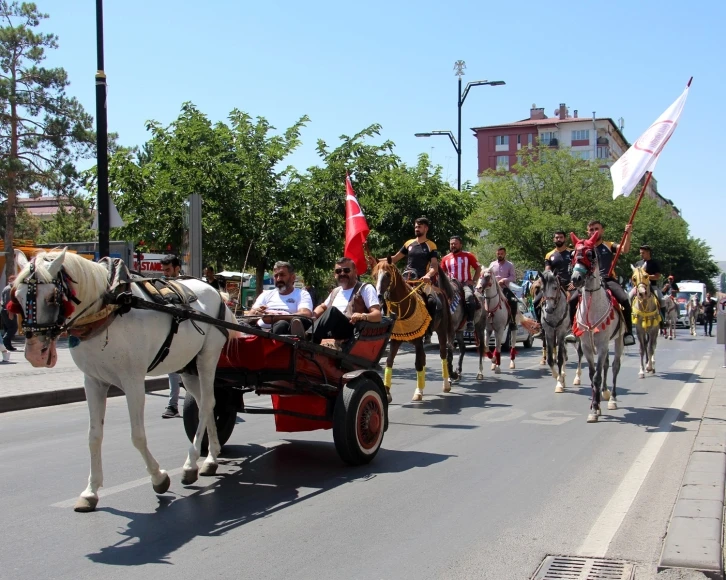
x,y
422,261
606,253
652,268
559,262
503,271
458,265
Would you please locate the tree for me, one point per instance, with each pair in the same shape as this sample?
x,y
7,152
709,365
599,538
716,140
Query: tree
x,y
41,128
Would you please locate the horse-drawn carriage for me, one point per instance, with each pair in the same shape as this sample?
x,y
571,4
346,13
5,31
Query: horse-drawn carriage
x,y
312,387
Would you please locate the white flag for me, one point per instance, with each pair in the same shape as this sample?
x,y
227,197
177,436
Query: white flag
x,y
642,156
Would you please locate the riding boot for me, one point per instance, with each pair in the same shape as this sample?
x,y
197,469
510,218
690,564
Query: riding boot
x,y
538,316
470,310
572,304
628,339
513,315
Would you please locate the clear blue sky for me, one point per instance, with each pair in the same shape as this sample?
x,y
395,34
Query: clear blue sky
x,y
350,65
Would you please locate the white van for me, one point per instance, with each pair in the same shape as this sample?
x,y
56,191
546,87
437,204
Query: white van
x,y
685,289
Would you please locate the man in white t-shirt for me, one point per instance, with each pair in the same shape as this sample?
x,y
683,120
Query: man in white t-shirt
x,y
283,299
349,303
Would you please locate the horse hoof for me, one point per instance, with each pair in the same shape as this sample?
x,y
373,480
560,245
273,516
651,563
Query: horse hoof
x,y
494,366
641,375
576,381
479,377
598,412
511,365
497,370
612,406
190,476
543,362
208,469
455,380
447,388
417,396
163,486
605,395
592,418
85,504
389,398
559,388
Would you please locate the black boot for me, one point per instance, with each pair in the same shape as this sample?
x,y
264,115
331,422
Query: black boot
x,y
628,338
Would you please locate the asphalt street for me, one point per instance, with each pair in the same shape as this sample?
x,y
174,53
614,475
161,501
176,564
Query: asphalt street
x,y
483,482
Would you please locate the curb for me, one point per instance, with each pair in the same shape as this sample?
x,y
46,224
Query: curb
x,y
694,536
65,396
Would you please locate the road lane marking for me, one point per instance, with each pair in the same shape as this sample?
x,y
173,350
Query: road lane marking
x,y
683,365
498,415
106,491
612,516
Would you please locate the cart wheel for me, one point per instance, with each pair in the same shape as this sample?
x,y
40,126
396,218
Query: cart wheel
x,y
359,421
225,417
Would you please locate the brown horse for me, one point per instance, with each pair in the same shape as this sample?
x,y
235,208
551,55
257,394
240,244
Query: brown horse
x,y
403,299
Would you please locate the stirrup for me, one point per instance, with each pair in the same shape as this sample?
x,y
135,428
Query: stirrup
x,y
628,339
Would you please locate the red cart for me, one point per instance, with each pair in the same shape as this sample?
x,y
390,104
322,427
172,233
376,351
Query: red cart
x,y
312,387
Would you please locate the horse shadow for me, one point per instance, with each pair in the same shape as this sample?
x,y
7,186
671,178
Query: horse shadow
x,y
265,481
650,418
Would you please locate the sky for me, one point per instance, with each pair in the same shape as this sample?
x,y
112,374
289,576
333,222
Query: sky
x,y
347,66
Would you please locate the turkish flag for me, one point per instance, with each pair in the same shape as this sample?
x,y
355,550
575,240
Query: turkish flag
x,y
356,228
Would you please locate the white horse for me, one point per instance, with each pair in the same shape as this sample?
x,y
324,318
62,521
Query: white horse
x,y
121,354
598,321
671,314
692,309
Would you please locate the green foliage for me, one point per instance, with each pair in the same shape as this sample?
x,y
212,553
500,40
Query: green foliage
x,y
42,129
552,190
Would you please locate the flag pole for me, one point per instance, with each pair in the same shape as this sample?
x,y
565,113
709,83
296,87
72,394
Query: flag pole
x,y
630,222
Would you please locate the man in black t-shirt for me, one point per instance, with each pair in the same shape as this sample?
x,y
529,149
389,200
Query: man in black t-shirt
x,y
709,311
422,260
652,268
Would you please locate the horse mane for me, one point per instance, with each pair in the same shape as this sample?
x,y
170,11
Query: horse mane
x,y
89,279
445,283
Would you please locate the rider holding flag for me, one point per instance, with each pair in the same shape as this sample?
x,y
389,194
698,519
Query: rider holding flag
x,y
605,255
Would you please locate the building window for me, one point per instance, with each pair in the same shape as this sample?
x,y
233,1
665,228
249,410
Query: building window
x,y
603,152
547,138
530,139
502,162
503,140
583,135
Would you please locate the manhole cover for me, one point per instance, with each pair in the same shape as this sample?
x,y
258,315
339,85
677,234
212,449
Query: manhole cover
x,y
565,568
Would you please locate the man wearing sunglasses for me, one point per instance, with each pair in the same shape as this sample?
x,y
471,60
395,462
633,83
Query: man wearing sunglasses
x,y
351,302
605,255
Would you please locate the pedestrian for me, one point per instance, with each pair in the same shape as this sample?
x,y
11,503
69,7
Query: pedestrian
x,y
9,319
709,311
210,279
171,268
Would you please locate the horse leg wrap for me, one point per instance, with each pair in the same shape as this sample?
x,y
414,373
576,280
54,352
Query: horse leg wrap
x,y
498,357
387,377
421,379
445,368
513,353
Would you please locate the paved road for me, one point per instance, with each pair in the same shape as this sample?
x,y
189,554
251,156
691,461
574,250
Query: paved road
x,y
481,483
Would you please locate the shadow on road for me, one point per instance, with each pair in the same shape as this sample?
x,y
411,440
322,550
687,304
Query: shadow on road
x,y
266,481
650,418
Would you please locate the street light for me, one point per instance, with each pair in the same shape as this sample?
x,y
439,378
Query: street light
x,y
459,67
103,205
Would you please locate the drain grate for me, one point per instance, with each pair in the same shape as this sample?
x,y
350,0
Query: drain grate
x,y
574,568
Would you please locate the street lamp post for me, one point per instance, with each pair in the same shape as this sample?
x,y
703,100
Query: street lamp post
x,y
103,205
459,67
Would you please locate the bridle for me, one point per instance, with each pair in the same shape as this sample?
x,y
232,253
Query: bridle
x,y
63,300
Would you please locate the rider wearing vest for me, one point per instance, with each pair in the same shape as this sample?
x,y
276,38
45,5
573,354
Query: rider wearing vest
x,y
559,262
605,255
652,268
422,261
458,265
349,303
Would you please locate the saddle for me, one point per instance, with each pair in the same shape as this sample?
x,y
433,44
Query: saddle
x,y
165,292
614,311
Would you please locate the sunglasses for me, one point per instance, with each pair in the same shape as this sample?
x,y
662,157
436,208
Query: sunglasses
x,y
341,270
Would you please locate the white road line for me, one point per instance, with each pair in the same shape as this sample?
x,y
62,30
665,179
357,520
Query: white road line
x,y
105,492
607,524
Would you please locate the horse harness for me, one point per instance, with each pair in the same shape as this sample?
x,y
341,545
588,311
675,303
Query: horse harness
x,y
166,296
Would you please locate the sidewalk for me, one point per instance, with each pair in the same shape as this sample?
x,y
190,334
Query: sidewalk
x,y
23,386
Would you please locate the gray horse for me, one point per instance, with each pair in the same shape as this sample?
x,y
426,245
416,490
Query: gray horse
x,y
555,322
458,316
598,321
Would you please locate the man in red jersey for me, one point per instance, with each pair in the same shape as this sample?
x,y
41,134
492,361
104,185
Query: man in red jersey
x,y
459,264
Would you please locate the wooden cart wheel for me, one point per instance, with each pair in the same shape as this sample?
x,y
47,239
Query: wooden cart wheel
x,y
359,421
225,417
